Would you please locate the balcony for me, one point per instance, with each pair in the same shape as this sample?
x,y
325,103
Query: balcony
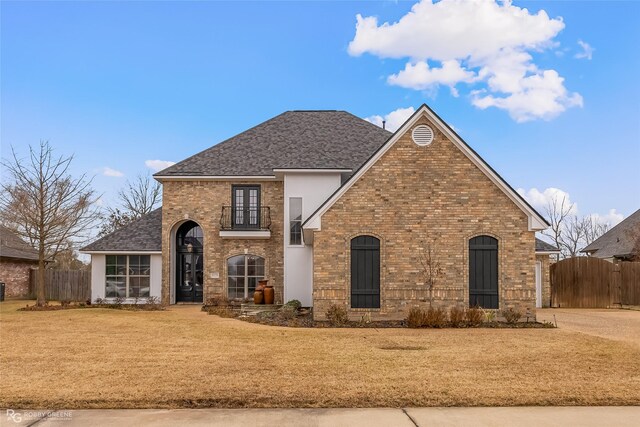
x,y
245,223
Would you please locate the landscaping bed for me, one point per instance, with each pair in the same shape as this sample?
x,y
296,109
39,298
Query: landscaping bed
x,y
293,315
142,304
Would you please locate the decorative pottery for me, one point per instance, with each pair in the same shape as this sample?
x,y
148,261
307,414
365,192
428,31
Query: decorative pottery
x,y
258,297
268,294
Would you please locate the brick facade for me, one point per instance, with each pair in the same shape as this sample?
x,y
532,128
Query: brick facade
x,y
202,202
413,197
15,275
546,279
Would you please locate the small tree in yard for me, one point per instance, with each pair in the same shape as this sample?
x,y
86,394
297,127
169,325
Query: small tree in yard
x,y
44,204
431,269
136,199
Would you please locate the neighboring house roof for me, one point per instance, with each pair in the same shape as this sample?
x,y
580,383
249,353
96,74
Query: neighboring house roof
x,y
542,246
142,235
292,140
536,221
12,246
621,241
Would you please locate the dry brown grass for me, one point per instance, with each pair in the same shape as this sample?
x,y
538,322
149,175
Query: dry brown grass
x,y
99,358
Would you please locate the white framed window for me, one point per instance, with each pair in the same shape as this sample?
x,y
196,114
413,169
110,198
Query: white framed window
x,y
243,274
127,276
295,220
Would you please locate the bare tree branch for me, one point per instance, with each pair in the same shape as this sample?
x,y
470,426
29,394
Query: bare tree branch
x,y
45,205
136,199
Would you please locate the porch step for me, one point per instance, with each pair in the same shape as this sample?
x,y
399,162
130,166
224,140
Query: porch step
x,y
254,309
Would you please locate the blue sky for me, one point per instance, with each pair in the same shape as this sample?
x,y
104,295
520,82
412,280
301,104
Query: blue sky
x,y
120,83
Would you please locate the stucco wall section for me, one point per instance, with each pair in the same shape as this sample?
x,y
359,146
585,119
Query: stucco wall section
x,y
202,202
15,275
413,197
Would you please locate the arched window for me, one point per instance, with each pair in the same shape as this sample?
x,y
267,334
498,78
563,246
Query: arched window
x,y
365,272
243,273
483,272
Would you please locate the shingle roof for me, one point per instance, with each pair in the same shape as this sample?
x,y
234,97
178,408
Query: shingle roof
x,y
12,246
292,140
542,246
621,241
143,234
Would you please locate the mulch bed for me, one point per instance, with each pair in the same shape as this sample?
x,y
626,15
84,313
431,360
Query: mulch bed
x,y
78,305
305,320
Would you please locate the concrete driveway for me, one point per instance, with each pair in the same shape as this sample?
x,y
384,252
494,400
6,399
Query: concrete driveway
x,y
614,324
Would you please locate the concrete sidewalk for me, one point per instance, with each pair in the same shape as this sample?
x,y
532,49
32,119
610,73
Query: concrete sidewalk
x,y
619,416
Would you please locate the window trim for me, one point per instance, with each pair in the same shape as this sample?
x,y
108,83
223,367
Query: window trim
x,y
246,273
246,205
291,221
127,275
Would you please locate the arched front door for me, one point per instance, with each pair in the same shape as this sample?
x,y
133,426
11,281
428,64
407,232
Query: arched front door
x,y
483,272
189,274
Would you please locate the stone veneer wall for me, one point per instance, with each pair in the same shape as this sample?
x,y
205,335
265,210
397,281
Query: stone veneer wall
x,y
546,279
202,201
15,275
413,197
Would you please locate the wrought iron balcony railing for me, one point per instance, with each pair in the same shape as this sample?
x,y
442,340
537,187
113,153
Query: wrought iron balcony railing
x,y
257,218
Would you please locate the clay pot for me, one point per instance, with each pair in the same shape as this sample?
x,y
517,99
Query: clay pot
x,y
262,284
268,294
258,297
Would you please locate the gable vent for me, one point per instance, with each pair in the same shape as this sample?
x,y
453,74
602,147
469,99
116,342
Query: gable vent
x,y
422,135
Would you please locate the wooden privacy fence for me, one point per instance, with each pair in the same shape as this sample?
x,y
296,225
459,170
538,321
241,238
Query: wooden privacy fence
x,y
586,282
63,285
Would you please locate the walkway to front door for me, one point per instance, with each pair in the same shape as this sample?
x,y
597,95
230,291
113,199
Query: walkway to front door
x,y
189,273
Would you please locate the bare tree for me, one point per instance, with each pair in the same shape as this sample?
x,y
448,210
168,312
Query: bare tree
x,y
572,235
558,210
140,196
593,229
136,199
431,269
67,259
44,204
570,232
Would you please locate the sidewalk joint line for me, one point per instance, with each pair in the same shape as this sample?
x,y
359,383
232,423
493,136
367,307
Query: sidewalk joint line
x,y
410,417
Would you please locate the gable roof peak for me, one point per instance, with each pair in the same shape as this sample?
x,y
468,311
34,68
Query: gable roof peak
x,y
536,221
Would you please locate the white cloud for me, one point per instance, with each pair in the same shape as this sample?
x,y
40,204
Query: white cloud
x,y
587,51
612,217
541,199
481,42
106,171
158,165
420,76
394,119
541,96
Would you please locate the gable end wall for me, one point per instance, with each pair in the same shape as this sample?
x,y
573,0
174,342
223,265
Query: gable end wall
x,y
410,198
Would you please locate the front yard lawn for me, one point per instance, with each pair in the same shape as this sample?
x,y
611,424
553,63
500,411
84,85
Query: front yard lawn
x,y
182,357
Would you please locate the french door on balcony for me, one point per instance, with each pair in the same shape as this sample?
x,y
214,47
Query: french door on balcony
x,y
246,206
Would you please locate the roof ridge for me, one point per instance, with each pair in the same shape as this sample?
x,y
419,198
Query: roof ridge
x,y
220,143
611,230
